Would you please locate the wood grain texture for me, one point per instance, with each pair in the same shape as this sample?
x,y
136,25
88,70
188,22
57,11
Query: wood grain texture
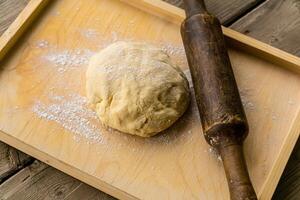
x,y
276,22
227,11
289,185
20,25
39,181
84,191
114,165
221,111
9,11
11,160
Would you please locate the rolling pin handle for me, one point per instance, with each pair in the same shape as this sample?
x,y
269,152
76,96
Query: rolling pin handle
x,y
240,186
193,7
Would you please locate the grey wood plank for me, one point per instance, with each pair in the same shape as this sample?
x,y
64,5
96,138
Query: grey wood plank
x,y
277,22
227,11
9,10
289,185
40,181
11,160
83,191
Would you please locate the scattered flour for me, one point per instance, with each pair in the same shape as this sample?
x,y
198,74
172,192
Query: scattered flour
x,y
42,44
69,59
173,50
245,97
177,53
274,117
215,153
291,102
55,13
114,37
71,113
89,33
132,22
188,75
248,104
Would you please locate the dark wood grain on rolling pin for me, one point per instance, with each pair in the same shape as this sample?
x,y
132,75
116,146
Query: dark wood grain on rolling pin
x,y
221,111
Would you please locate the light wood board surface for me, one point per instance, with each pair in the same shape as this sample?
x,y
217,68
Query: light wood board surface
x,y
36,82
276,22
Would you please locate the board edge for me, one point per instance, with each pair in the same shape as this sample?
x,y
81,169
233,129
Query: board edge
x,y
255,47
175,15
66,168
20,25
268,188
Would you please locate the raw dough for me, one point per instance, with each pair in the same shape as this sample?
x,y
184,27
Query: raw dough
x,y
135,88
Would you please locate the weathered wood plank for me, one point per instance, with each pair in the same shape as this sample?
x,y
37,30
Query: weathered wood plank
x,y
11,160
228,10
39,181
277,22
9,10
83,191
289,185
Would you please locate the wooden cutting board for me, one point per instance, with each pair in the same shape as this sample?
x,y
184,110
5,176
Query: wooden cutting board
x,y
43,109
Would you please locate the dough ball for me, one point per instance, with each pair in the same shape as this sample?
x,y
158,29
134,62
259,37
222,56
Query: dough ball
x,y
135,88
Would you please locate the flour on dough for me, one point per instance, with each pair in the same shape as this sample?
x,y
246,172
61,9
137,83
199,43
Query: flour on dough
x,y
135,88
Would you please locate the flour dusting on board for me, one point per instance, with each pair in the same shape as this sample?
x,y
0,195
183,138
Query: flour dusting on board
x,y
42,44
188,75
214,151
173,50
68,60
90,33
70,112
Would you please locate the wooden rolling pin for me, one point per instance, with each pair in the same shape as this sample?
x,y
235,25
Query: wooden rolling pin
x,y
223,118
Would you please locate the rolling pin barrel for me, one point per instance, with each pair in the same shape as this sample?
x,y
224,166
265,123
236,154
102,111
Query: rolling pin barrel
x,y
222,115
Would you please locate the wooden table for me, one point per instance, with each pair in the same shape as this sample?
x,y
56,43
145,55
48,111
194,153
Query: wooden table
x,y
276,22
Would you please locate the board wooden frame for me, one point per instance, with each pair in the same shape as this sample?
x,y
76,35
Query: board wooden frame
x,y
175,15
